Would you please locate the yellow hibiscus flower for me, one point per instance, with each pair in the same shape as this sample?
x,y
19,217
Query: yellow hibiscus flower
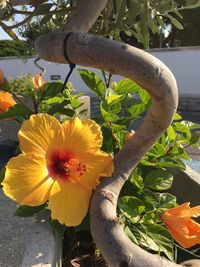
x,y
60,163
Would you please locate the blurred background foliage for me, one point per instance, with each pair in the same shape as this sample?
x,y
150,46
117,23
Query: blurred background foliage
x,y
144,24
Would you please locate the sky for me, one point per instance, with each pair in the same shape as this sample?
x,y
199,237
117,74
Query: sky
x,y
5,36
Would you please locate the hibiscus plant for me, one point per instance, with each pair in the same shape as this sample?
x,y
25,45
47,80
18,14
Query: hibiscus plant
x,y
61,158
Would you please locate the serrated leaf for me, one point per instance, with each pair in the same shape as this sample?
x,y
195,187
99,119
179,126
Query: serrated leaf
x,y
158,180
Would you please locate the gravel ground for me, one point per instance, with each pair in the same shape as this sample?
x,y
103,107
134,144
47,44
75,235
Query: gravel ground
x,y
14,232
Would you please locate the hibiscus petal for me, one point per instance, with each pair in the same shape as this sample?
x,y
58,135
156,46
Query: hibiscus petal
x,y
195,211
69,202
99,164
26,180
81,136
184,238
40,133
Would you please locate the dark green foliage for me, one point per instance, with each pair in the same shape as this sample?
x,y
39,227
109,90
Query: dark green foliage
x,y
13,48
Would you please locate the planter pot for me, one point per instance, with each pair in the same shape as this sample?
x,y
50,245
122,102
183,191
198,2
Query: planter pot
x,y
44,248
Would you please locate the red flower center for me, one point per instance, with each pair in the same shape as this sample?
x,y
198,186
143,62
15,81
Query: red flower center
x,y
64,165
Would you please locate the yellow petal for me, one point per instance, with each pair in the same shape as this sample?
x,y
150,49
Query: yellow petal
x,y
99,164
81,136
69,202
40,133
26,180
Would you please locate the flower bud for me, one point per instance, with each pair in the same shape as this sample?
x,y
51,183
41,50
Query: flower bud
x,y
38,81
129,135
114,85
1,77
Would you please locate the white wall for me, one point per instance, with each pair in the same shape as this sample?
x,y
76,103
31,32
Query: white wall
x,y
184,63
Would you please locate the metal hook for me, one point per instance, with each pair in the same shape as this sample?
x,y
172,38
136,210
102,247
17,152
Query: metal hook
x,y
37,65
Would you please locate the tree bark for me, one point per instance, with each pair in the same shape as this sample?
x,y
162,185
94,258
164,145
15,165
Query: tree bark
x,y
117,58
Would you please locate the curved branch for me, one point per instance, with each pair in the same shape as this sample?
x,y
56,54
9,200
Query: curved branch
x,y
150,73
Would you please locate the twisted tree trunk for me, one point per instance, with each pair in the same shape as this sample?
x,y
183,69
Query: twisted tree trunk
x,y
92,51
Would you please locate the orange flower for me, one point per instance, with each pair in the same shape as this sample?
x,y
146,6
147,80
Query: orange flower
x,y
60,163
6,101
1,77
178,220
38,81
129,135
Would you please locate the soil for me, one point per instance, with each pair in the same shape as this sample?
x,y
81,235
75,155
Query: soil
x,y
80,251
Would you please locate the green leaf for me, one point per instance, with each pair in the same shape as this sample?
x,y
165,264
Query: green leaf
x,y
111,99
28,211
14,111
158,180
49,90
146,162
107,140
131,235
171,133
137,180
162,238
166,200
92,81
153,236
106,115
195,138
117,128
137,109
131,207
177,117
2,175
58,227
180,127
58,108
160,148
175,22
75,103
144,96
171,163
126,86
